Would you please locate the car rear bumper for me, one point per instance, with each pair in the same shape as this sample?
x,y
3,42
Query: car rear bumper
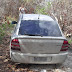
x,y
29,58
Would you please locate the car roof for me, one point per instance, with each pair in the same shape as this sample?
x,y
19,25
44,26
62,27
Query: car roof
x,y
35,17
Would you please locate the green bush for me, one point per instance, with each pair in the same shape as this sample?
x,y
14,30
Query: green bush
x,y
43,9
40,10
5,28
70,41
49,5
2,32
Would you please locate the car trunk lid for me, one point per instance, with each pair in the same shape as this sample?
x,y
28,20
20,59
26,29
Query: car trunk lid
x,y
41,45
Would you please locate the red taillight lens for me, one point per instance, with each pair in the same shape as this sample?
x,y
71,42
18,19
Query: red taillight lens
x,y
64,46
15,44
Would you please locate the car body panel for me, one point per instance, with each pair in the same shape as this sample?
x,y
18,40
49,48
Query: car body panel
x,y
29,58
40,45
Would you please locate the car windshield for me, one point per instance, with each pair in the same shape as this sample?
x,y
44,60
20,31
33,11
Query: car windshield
x,y
39,28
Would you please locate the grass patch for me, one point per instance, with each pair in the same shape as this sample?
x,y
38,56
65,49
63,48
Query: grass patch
x,y
6,27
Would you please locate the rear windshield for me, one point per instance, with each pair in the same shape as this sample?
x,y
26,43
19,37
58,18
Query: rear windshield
x,y
39,28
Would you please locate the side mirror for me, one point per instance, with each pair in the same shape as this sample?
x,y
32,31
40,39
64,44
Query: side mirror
x,y
14,22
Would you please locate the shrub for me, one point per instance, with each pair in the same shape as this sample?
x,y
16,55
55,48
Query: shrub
x,y
6,28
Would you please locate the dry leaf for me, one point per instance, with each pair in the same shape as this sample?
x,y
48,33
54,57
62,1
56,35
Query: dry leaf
x,y
6,60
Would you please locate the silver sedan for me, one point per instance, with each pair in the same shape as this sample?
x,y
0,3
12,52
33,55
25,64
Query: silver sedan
x,y
38,39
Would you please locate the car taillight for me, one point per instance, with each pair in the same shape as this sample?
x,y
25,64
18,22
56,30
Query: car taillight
x,y
64,46
15,45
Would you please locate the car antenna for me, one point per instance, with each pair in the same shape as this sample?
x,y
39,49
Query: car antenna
x,y
38,16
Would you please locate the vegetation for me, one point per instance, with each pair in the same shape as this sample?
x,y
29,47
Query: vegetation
x,y
43,9
70,41
6,27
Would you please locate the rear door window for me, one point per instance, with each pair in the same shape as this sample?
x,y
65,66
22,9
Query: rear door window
x,y
39,28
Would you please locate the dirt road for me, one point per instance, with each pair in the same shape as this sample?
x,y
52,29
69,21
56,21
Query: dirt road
x,y
6,65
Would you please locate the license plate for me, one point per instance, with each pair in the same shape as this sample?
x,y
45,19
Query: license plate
x,y
40,59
